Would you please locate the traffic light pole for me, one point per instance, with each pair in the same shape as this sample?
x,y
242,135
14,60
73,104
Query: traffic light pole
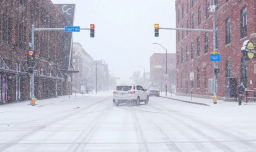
x,y
212,9
33,30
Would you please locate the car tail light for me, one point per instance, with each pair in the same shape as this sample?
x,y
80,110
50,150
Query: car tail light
x,y
114,92
132,92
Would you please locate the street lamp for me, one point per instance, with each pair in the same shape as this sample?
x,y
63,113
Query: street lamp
x,y
165,64
144,74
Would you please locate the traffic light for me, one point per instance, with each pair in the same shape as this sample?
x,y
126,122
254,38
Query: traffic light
x,y
31,60
92,30
156,30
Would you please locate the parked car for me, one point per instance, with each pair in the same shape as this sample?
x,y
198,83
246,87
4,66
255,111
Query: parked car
x,y
133,94
154,91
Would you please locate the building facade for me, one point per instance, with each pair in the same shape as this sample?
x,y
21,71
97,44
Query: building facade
x,y
16,19
235,21
82,62
158,70
100,75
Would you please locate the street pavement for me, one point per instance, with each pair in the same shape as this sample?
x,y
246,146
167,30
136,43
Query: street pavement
x,y
93,123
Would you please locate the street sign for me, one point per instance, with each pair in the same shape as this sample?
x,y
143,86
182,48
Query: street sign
x,y
191,75
72,28
215,56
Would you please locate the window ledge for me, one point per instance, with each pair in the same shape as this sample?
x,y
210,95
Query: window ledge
x,y
243,38
227,45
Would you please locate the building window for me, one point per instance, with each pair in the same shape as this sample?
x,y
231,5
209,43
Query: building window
x,y
227,35
178,36
192,51
182,11
216,38
206,43
227,68
199,15
205,82
193,3
181,80
187,26
187,53
181,56
198,46
198,78
10,34
178,16
4,28
187,6
182,33
193,25
178,58
206,9
216,3
244,22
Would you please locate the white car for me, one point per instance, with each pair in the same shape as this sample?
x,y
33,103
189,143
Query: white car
x,y
130,93
154,91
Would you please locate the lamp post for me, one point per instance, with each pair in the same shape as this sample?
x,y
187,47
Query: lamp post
x,y
144,74
165,67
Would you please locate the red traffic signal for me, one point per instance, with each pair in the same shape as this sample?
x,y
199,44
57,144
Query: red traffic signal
x,y
156,30
30,53
92,30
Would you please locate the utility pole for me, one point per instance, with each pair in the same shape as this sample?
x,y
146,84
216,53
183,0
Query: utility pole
x,y
165,65
213,9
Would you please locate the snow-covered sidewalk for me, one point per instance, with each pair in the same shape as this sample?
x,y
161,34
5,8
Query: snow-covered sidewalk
x,y
201,101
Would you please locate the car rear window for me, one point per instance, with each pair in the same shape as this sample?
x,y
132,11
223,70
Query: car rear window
x,y
123,88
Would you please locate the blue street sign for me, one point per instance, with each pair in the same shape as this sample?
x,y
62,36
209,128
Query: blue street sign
x,y
72,28
215,56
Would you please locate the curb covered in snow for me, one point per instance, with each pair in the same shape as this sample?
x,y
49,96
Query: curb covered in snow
x,y
198,103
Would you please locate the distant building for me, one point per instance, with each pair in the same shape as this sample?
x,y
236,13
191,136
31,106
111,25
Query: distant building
x,y
82,62
235,22
100,75
158,70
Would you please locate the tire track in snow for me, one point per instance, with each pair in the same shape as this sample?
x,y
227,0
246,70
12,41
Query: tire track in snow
x,y
170,144
238,139
86,136
28,134
63,127
216,143
139,133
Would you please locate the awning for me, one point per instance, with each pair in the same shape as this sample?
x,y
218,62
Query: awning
x,y
49,77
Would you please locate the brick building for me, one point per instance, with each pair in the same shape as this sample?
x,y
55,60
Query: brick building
x,y
158,70
235,21
16,18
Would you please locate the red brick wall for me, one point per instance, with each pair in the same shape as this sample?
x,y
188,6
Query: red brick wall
x,y
160,59
231,51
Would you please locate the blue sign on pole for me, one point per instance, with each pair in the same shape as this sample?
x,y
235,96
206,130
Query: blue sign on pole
x,y
215,56
72,28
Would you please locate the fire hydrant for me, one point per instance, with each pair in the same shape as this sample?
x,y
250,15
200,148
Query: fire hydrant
x,y
214,99
33,100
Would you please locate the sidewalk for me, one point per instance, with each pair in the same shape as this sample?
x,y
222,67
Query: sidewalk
x,y
194,100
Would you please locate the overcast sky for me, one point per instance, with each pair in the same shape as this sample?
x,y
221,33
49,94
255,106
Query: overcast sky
x,y
124,31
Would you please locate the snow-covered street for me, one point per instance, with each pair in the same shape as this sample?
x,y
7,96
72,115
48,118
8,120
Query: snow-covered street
x,y
93,123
